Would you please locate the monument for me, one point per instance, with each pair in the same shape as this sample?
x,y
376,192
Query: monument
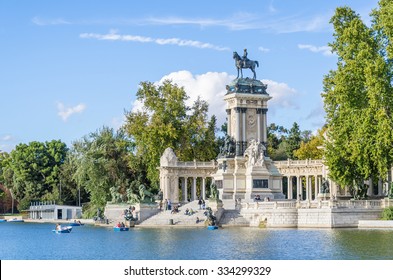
x,y
245,170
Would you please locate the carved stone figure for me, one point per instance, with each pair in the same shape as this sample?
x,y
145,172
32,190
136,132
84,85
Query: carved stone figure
x,y
145,195
214,193
325,186
244,62
168,158
211,220
116,196
132,197
228,148
255,153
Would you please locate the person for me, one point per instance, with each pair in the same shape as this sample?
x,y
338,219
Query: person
x,y
123,225
197,220
58,227
200,204
169,204
203,204
166,204
244,57
186,212
118,224
160,205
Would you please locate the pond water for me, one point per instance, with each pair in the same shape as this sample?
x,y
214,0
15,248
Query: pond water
x,y
31,241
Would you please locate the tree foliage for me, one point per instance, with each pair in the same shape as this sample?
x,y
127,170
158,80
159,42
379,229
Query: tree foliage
x,y
101,161
165,121
358,98
313,148
32,171
293,140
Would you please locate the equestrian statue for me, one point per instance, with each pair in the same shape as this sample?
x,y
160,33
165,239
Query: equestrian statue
x,y
244,62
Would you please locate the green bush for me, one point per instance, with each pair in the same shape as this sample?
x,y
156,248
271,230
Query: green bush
x,y
387,213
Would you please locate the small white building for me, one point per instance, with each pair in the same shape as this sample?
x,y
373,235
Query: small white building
x,y
48,210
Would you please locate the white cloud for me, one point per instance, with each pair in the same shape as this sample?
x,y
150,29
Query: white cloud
x,y
262,49
248,21
118,122
113,36
7,143
239,21
6,137
65,112
211,87
283,96
272,9
43,22
325,50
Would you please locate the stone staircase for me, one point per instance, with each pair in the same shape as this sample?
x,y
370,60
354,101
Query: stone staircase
x,y
165,218
232,217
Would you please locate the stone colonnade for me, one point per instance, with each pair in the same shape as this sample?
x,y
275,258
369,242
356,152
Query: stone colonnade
x,y
172,182
175,175
304,178
295,191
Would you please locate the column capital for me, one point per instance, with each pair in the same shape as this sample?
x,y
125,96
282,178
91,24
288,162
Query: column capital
x,y
228,111
243,110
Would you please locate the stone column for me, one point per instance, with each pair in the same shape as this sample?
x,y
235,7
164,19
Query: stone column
x,y
229,132
380,184
308,189
193,193
237,132
176,188
168,187
185,189
203,189
298,188
370,188
259,123
264,126
319,184
290,187
316,188
244,127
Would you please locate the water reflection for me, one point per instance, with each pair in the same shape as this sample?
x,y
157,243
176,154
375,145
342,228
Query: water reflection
x,y
36,241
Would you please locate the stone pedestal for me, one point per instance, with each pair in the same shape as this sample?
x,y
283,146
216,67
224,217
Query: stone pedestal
x,y
264,180
217,208
115,212
244,168
144,211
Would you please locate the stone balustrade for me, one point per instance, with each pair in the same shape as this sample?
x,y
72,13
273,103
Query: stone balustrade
x,y
290,204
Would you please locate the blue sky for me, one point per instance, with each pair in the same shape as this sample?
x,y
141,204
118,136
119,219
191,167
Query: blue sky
x,y
68,68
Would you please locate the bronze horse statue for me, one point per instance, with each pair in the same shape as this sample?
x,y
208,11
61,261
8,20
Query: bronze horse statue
x,y
240,64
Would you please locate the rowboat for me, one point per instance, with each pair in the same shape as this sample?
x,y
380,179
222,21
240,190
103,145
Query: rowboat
x,y
76,224
15,220
63,230
212,227
121,228
2,220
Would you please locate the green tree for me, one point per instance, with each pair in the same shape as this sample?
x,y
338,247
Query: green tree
x,y
358,101
276,138
312,149
101,161
293,140
32,171
166,121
